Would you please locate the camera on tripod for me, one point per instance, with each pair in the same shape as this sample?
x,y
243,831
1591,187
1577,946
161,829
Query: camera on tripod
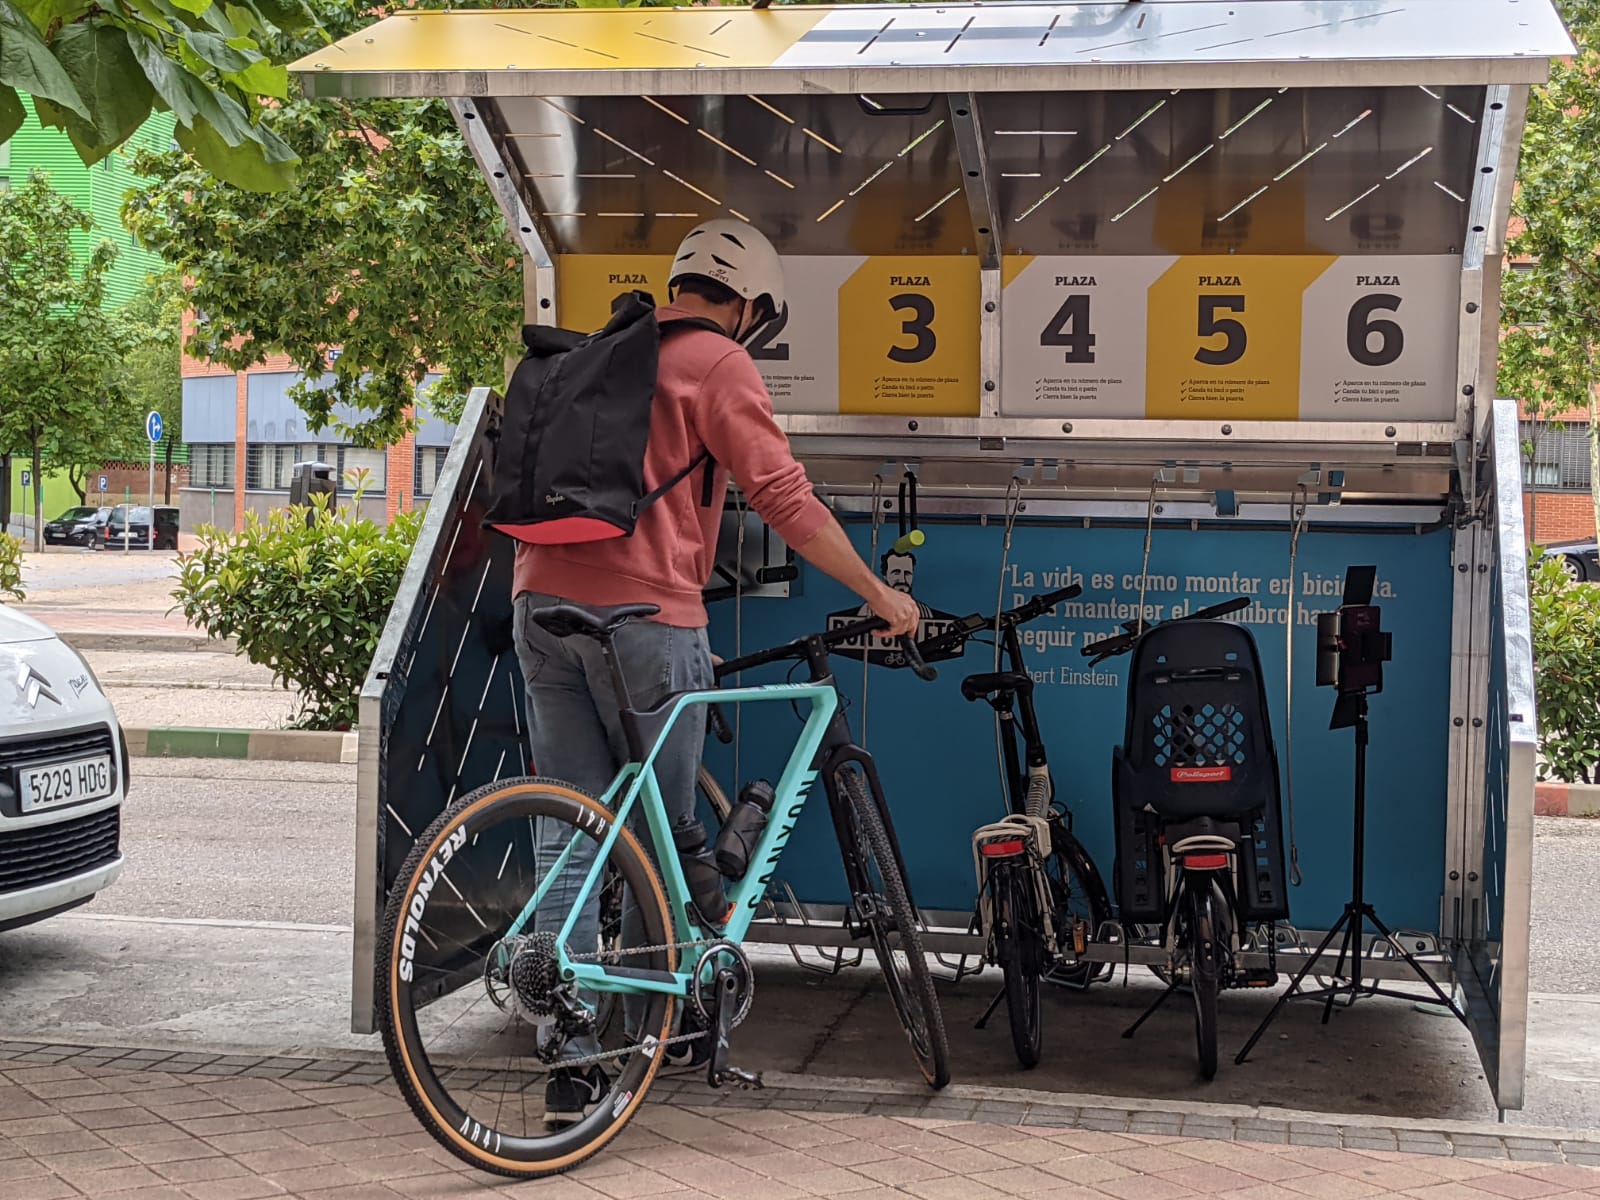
x,y
1352,645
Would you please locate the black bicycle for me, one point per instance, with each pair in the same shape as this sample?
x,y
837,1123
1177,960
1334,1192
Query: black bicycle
x,y
1041,899
1190,783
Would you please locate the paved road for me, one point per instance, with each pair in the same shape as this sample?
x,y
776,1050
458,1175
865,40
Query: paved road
x,y
1565,951
246,841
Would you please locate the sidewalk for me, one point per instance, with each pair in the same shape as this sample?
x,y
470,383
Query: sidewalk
x,y
146,1125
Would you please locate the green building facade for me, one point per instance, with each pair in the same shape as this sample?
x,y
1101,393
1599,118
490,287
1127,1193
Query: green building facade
x,y
98,190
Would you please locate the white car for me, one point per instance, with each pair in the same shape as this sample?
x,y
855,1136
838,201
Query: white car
x,y
63,776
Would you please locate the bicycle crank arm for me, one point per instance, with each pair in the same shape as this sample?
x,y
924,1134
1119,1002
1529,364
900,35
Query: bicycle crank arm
x,y
725,993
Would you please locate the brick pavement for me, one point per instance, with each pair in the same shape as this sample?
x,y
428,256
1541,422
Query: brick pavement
x,y
149,1125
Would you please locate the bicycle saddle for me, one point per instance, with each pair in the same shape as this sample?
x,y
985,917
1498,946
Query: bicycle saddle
x,y
976,687
565,620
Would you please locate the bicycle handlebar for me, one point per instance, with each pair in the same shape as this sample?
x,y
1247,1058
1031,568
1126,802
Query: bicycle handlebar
x,y
1133,630
966,627
829,638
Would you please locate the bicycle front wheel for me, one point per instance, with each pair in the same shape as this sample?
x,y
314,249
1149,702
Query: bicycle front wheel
x,y
506,1065
896,938
1019,947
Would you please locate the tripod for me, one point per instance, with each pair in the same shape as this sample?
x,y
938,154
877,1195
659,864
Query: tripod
x,y
1352,709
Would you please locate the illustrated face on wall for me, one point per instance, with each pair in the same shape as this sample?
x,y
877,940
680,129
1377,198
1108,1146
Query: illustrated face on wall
x,y
899,571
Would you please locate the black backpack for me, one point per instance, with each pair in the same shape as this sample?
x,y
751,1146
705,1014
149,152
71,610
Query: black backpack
x,y
569,467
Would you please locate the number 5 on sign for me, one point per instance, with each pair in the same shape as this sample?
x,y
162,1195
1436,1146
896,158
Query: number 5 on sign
x,y
1224,337
908,337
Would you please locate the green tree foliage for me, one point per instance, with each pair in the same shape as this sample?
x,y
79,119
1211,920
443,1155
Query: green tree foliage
x,y
1566,647
97,68
1550,355
390,247
59,350
307,598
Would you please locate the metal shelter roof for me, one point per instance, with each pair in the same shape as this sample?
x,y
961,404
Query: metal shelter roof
x,y
957,47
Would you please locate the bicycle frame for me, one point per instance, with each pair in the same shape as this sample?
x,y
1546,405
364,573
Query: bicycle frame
x,y
636,783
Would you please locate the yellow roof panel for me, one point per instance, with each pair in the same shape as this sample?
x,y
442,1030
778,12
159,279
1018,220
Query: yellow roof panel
x,y
568,40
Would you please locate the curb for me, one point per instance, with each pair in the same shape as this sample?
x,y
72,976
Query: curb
x,y
274,745
102,640
1566,800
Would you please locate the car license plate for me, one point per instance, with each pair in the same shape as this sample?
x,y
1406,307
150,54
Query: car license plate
x,y
61,784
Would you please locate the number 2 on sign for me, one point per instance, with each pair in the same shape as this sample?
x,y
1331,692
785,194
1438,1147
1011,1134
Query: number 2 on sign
x,y
1070,328
918,327
765,347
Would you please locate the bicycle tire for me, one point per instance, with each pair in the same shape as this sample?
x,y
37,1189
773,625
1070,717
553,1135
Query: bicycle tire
x,y
1205,970
911,991
711,792
1019,942
446,1115
1072,863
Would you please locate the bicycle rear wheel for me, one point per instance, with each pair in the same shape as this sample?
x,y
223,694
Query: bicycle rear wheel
x,y
475,1022
896,938
1019,947
1205,971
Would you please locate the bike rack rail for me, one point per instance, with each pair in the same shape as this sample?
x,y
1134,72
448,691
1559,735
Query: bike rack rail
x,y
1015,230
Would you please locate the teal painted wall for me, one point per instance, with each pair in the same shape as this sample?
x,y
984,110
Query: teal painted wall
x,y
98,190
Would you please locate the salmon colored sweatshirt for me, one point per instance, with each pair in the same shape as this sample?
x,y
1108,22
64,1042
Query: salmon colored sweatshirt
x,y
708,394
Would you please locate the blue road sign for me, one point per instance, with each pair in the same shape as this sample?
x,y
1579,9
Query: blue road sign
x,y
104,483
152,427
27,479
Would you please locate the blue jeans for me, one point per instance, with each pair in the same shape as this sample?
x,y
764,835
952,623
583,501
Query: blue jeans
x,y
575,733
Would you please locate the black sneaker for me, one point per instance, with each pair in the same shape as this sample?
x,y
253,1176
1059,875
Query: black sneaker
x,y
687,1056
572,1094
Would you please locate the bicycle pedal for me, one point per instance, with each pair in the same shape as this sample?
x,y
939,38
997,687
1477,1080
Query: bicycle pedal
x,y
1257,977
745,1080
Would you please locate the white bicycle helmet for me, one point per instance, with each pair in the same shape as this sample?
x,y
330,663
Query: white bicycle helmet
x,y
737,255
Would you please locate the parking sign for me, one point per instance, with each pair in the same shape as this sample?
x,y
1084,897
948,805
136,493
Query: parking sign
x,y
104,483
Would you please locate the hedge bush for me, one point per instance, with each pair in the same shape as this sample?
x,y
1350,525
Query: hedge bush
x,y
1566,660
306,598
11,567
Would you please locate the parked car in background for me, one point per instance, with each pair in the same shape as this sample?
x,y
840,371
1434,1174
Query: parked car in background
x,y
63,776
76,527
129,527
1580,560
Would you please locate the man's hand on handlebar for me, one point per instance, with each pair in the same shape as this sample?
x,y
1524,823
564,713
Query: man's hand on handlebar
x,y
898,611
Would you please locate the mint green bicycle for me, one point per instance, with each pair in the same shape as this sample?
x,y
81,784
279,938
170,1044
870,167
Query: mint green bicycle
x,y
485,986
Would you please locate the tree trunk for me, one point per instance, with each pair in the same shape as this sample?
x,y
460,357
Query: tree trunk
x,y
167,495
80,484
5,493
38,500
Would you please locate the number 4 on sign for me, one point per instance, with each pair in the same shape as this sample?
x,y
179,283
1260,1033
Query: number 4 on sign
x,y
1070,328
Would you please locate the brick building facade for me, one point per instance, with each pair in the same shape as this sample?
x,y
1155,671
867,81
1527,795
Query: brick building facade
x,y
245,435
1558,503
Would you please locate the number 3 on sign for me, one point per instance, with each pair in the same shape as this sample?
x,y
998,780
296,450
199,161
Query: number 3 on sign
x,y
908,337
918,327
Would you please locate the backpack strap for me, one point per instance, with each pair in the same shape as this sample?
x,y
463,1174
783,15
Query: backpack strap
x,y
707,498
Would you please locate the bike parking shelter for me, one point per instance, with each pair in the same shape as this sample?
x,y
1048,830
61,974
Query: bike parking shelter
x,y
1231,269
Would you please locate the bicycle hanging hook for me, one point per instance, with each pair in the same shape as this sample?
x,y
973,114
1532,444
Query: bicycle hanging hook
x,y
910,535
1297,515
872,561
1144,567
